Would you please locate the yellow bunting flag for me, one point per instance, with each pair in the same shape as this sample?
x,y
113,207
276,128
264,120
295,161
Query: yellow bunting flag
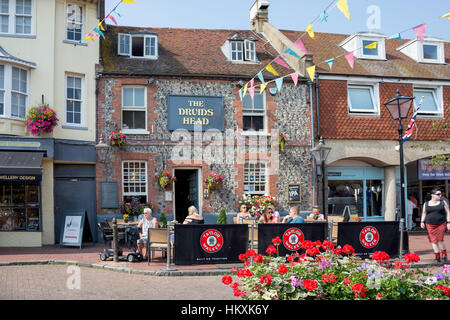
x,y
372,45
245,90
271,69
90,36
101,26
311,72
263,87
310,31
128,1
343,6
447,15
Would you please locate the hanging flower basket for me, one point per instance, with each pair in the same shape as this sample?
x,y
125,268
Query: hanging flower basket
x,y
133,208
256,204
117,139
282,140
213,180
164,178
41,120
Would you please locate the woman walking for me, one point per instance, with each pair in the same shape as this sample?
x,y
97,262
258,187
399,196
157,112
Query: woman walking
x,y
436,217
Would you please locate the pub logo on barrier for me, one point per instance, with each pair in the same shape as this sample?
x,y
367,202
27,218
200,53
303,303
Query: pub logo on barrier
x,y
211,241
293,238
369,237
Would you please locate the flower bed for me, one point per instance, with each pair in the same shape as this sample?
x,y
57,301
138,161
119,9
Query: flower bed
x,y
324,272
41,119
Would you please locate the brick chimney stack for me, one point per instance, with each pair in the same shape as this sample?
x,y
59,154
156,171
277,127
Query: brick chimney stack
x,y
259,14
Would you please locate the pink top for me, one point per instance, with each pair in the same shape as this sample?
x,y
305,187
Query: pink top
x,y
275,217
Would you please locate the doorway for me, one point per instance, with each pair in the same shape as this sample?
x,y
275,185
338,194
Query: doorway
x,y
186,192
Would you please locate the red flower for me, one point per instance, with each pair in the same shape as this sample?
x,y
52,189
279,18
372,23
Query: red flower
x,y
359,290
250,253
242,257
346,281
313,251
338,251
411,257
276,241
265,278
327,245
234,285
380,256
227,280
309,284
246,263
329,278
307,244
445,290
282,269
258,258
400,265
348,249
271,250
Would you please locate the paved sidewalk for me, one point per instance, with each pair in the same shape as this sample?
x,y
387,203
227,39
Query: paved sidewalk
x,y
89,255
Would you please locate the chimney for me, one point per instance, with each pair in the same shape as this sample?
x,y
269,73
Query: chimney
x,y
259,13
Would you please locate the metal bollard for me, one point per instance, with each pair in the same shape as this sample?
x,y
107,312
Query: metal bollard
x,y
169,251
115,240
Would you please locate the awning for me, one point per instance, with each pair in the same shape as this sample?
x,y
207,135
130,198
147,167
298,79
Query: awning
x,y
21,163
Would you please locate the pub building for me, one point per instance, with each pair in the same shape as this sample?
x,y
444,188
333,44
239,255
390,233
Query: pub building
x,y
175,94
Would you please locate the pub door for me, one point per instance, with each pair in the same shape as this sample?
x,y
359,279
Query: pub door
x,y
186,192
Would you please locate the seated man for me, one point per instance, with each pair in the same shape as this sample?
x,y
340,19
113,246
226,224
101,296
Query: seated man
x,y
146,223
293,216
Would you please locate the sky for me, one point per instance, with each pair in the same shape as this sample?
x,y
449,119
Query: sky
x,y
382,16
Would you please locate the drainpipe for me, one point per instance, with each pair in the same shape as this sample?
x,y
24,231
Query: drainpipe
x,y
317,103
311,101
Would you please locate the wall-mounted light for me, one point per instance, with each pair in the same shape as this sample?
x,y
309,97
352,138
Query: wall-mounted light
x,y
150,80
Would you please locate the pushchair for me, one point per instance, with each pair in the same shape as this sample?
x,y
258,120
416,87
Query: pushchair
x,y
130,237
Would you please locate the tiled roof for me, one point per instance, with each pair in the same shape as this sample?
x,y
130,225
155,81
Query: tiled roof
x,y
185,52
397,64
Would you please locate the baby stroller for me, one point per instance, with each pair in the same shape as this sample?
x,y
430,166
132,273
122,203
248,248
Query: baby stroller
x,y
131,235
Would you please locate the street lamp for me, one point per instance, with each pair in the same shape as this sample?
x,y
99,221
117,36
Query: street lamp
x,y
320,153
398,108
102,149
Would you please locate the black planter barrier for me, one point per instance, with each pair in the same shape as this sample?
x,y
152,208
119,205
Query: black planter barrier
x,y
368,237
291,235
209,243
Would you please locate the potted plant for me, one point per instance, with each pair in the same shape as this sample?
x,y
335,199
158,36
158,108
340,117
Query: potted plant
x,y
256,204
117,138
164,178
213,180
41,119
222,219
282,140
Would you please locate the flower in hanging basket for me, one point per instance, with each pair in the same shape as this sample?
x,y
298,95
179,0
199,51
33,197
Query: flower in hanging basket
x,y
213,180
164,178
256,204
41,119
134,208
282,140
117,139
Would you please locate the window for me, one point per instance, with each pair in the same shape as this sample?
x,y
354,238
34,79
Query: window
x,y
16,16
243,50
74,100
134,181
19,207
361,99
74,22
145,46
13,91
369,51
255,178
430,105
430,52
253,111
134,107
249,50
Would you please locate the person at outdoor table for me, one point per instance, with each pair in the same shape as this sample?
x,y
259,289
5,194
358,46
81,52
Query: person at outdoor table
x,y
293,216
144,224
436,218
269,215
242,214
316,215
193,217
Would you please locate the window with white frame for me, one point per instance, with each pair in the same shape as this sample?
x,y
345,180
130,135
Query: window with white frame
x,y
361,99
74,99
74,23
13,91
134,181
255,178
134,108
243,50
253,112
16,16
145,46
430,105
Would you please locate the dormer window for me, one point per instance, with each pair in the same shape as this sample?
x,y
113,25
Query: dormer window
x,y
239,49
138,45
430,51
366,45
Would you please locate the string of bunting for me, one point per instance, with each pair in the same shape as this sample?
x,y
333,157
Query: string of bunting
x,y
112,15
342,5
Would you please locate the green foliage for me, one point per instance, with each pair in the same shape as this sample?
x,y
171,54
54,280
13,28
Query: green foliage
x,y
222,219
163,220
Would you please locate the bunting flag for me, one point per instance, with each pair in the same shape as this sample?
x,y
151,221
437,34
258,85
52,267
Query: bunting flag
x,y
310,31
261,78
372,45
111,17
281,62
128,1
330,62
420,32
89,36
251,90
412,123
101,26
252,82
271,69
395,36
294,77
350,58
447,15
262,88
343,6
311,72
279,82
99,32
240,93
245,90
292,52
299,44
324,16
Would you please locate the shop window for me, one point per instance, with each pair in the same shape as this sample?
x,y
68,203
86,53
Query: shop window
x,y
255,178
134,181
253,111
19,207
134,107
345,193
74,22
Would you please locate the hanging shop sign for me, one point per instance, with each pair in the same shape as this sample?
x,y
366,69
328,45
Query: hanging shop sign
x,y
426,171
20,178
185,112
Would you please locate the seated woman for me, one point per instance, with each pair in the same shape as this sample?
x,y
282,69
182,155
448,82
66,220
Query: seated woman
x,y
269,216
242,214
193,217
316,215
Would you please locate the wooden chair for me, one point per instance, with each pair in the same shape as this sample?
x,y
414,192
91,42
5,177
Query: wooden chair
x,y
248,221
334,220
156,240
253,227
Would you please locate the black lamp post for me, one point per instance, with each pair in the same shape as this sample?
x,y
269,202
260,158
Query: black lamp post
x,y
399,107
320,153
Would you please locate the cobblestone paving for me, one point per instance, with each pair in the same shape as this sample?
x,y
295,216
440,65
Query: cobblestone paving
x,y
55,282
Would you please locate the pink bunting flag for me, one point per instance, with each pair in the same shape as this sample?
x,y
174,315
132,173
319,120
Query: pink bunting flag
x,y
251,90
111,18
294,77
299,44
251,82
350,58
420,32
281,62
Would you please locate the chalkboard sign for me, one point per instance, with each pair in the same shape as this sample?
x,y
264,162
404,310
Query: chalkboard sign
x,y
109,197
73,225
293,193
